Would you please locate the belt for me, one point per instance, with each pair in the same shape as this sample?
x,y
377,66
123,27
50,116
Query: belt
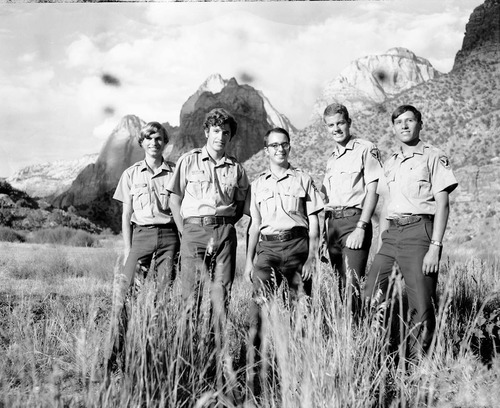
x,y
284,236
209,220
170,225
342,212
410,219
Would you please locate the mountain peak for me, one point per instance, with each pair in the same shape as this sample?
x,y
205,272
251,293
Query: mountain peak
x,y
371,80
482,35
214,83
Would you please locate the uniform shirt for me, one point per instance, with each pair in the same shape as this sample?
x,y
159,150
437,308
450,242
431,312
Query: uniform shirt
x,y
284,203
348,171
208,187
146,192
415,179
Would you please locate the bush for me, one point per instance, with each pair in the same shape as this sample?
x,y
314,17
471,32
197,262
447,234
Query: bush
x,y
64,236
9,235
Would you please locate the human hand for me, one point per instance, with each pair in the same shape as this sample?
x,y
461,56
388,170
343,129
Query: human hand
x,y
431,260
308,268
355,239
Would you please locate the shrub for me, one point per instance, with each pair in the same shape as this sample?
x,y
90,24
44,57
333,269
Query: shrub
x,y
9,235
64,236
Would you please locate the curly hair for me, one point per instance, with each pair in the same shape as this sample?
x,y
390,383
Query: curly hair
x,y
219,117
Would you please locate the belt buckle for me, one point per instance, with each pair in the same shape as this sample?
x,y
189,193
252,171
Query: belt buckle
x,y
208,220
283,235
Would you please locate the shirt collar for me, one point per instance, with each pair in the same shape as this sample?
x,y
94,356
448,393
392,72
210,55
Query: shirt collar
x,y
164,166
206,156
289,172
410,150
340,150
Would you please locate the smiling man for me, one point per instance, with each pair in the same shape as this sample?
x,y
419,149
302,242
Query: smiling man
x,y
148,228
349,186
208,194
283,205
416,184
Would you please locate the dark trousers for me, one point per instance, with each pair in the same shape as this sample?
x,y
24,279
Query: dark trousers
x,y
277,263
158,243
407,246
343,258
208,254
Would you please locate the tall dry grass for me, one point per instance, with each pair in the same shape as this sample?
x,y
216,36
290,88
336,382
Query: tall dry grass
x,y
54,333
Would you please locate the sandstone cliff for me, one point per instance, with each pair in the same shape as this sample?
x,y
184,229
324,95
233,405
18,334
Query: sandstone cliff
x,y
49,179
373,79
482,36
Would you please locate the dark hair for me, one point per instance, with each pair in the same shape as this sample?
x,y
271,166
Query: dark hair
x,y
405,108
276,130
220,117
335,108
150,128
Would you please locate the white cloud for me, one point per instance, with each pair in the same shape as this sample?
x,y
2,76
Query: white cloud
x,y
82,52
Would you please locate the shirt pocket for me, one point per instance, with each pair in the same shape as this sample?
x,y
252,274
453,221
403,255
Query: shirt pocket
x,y
294,199
198,184
140,197
229,184
418,182
265,200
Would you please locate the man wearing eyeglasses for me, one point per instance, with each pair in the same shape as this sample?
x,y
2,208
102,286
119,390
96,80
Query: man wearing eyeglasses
x,y
284,233
349,186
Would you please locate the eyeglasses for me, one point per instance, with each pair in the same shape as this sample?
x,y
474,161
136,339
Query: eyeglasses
x,y
276,146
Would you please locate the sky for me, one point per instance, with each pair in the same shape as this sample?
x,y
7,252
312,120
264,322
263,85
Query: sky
x,y
70,71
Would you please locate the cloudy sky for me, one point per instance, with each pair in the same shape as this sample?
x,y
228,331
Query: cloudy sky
x,y
69,72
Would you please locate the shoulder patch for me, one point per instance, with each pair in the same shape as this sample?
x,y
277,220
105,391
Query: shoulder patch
x,y
444,161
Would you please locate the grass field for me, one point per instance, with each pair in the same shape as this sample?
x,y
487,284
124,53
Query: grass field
x,y
55,303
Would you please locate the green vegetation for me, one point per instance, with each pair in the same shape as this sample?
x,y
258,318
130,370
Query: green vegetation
x,y
55,305
57,235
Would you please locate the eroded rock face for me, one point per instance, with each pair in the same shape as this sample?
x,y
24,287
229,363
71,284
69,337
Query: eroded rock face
x,y
482,35
371,80
119,152
49,179
92,190
251,109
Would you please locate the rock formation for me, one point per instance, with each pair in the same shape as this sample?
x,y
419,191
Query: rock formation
x,y
91,192
49,179
482,35
252,110
370,80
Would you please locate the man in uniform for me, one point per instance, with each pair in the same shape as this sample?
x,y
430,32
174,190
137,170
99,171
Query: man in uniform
x,y
208,194
416,184
283,205
349,186
148,227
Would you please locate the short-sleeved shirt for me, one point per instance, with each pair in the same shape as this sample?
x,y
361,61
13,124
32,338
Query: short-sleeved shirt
x,y
208,187
413,180
348,171
147,192
285,202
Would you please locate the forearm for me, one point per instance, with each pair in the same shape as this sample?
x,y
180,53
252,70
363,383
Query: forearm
x,y
175,207
441,216
370,203
127,226
313,235
252,240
